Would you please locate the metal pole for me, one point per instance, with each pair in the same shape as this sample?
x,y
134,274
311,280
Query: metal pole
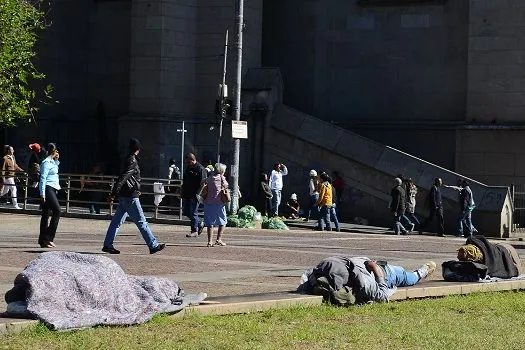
x,y
182,131
222,102
239,19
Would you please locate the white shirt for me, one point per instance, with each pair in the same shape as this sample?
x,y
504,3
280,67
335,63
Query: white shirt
x,y
276,179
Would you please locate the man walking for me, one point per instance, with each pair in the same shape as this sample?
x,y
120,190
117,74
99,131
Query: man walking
x,y
9,167
466,206
397,206
276,184
194,175
127,188
435,202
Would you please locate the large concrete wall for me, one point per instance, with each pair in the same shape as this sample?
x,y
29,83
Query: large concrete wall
x,y
368,168
496,52
342,62
494,156
85,55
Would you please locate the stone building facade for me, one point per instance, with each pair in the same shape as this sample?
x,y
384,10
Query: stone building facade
x,y
442,80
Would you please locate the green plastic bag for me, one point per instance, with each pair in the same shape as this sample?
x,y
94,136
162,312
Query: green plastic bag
x,y
274,224
247,213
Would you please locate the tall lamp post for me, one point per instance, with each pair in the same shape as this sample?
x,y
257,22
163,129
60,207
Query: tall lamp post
x,y
239,27
222,96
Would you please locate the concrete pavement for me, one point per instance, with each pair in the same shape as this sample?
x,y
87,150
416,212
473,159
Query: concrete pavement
x,y
254,261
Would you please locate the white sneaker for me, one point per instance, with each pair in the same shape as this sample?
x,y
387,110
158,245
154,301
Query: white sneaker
x,y
17,207
426,270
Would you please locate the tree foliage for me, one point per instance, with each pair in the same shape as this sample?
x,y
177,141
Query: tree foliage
x,y
20,23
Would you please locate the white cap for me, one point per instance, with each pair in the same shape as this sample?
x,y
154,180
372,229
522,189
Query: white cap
x,y
293,196
313,172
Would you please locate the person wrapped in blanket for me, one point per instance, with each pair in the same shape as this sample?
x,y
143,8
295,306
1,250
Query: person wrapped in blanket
x,y
359,280
480,259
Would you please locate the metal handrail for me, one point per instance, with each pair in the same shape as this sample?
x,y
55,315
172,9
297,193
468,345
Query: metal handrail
x,y
69,180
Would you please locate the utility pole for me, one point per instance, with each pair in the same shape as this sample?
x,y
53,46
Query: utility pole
x,y
223,95
239,27
182,131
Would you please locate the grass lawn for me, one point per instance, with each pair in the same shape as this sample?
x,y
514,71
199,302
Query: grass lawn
x,y
477,321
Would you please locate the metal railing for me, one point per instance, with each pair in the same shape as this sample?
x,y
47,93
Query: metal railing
x,y
83,191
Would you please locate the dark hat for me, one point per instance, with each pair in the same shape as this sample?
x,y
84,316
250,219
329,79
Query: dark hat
x,y
134,145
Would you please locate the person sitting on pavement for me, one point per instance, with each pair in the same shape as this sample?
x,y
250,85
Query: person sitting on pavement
x,y
478,259
350,280
292,207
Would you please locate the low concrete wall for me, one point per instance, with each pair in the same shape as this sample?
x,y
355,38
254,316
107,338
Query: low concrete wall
x,y
303,142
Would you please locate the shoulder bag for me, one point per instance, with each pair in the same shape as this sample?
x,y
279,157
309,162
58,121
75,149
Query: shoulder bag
x,y
225,192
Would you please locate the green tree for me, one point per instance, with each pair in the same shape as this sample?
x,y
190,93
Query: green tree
x,y
20,23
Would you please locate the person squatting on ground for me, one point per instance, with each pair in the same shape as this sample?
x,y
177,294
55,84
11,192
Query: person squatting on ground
x,y
194,175
9,167
324,203
351,280
397,206
214,204
313,192
265,196
293,208
48,187
276,185
435,204
464,225
127,188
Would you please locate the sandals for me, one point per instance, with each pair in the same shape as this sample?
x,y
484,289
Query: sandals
x,y
220,243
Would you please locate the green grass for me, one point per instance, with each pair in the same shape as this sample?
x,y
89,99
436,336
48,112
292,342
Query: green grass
x,y
478,321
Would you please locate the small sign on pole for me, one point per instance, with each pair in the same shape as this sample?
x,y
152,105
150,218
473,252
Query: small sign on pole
x,y
239,129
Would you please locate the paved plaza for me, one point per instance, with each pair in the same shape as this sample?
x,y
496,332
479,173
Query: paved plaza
x,y
254,261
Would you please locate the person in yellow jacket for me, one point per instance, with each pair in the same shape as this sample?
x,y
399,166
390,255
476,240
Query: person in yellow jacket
x,y
324,203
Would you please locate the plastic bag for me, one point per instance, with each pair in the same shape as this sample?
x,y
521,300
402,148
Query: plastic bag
x,y
247,212
274,224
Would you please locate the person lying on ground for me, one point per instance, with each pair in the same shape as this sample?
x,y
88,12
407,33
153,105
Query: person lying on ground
x,y
351,280
478,259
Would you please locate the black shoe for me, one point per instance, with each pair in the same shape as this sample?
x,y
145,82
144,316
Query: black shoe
x,y
420,232
157,248
441,235
110,250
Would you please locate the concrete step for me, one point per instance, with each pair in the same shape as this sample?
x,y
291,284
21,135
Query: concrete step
x,y
260,302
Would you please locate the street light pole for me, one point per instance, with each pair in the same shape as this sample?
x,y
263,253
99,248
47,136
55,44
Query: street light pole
x,y
182,131
239,27
223,94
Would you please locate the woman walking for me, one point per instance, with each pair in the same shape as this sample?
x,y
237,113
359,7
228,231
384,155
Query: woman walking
x,y
49,187
411,201
214,204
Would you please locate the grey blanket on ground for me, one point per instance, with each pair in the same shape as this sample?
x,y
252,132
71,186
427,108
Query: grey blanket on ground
x,y
70,290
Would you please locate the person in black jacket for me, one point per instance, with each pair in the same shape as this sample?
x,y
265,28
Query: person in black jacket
x,y
397,206
265,196
435,203
127,188
194,175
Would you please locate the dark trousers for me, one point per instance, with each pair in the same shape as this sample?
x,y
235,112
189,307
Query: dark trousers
x,y
191,210
435,213
48,228
265,206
